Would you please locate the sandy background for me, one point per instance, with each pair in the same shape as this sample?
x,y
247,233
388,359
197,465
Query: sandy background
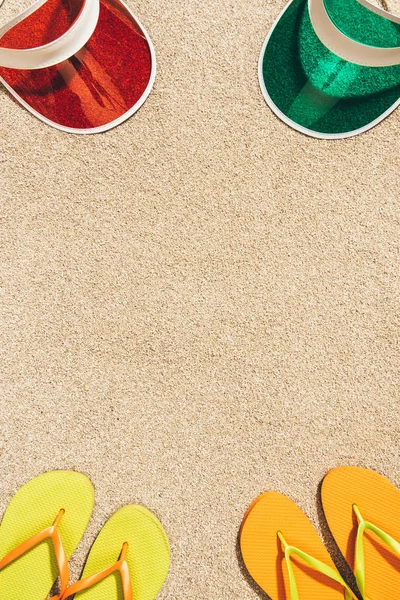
x,y
201,304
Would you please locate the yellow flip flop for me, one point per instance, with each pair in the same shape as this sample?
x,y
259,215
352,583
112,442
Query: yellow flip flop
x,y
41,527
362,509
129,559
284,554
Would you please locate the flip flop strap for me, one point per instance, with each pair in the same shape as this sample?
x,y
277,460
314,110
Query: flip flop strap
x,y
344,47
56,51
48,533
120,566
364,526
315,564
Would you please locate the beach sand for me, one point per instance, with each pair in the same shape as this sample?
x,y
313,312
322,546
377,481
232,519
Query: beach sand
x,y
201,304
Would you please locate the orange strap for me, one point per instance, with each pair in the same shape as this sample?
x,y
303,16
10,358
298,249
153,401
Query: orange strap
x,y
66,591
121,566
52,533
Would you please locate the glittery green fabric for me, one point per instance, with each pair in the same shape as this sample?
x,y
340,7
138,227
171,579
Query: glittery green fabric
x,y
315,88
363,25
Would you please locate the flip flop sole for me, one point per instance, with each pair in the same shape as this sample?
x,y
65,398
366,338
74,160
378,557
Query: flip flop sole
x,y
264,557
148,555
379,503
34,508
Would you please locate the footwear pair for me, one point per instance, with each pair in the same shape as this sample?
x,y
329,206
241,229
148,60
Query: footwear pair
x,y
285,556
331,68
82,66
44,523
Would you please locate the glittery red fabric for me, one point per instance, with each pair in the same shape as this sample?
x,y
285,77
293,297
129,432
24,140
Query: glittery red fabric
x,y
97,85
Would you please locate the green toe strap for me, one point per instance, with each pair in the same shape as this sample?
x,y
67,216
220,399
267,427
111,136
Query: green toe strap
x,y
315,564
364,526
359,567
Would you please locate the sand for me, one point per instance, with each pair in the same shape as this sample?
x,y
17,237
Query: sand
x,y
201,304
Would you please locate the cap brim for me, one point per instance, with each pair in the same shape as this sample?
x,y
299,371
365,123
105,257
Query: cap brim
x,y
315,91
100,86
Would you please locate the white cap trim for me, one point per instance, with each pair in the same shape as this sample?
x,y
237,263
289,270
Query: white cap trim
x,y
56,51
346,48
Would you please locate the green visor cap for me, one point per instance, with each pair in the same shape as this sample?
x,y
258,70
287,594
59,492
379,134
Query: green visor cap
x,y
337,87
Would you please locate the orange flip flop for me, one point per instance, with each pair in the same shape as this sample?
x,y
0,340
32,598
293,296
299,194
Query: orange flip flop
x,y
284,554
362,509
